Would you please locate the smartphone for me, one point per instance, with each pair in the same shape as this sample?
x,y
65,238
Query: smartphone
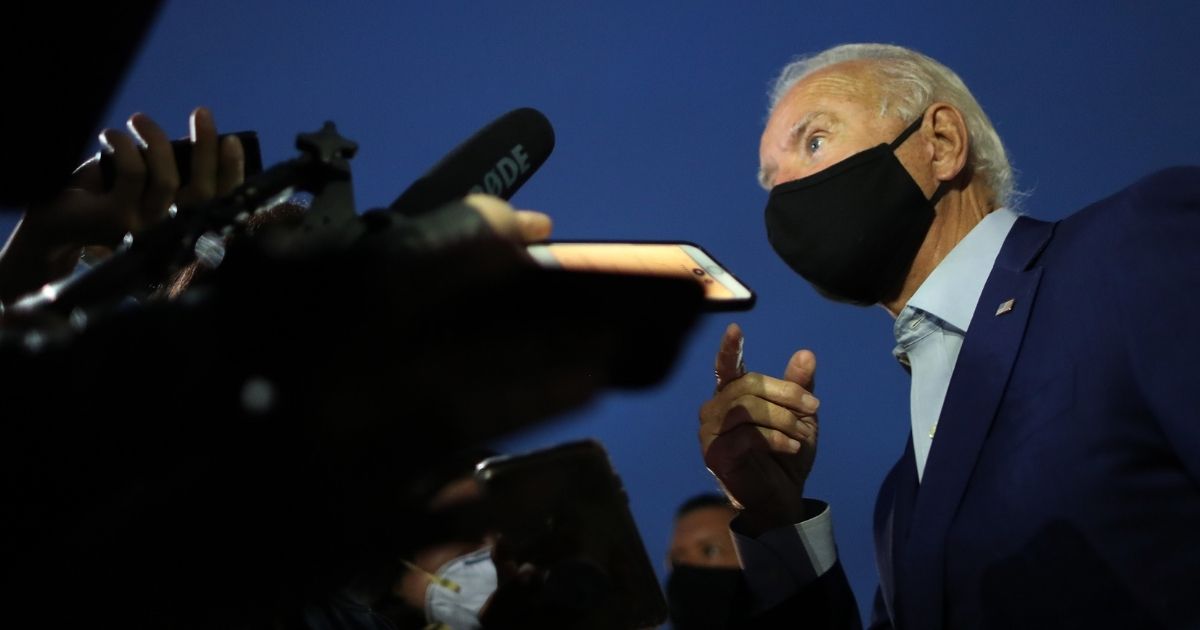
x,y
564,510
183,158
722,290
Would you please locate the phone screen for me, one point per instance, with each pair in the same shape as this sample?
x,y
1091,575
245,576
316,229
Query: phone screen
x,y
683,260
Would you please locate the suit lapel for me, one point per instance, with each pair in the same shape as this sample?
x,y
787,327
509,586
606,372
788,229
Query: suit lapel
x,y
976,389
893,508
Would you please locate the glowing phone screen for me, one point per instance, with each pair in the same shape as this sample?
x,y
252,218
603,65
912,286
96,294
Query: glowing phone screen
x,y
659,259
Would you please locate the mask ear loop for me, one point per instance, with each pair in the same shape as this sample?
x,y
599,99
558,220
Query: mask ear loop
x,y
938,193
440,581
942,188
916,124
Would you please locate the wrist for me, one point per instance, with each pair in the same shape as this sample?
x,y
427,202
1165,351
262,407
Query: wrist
x,y
755,522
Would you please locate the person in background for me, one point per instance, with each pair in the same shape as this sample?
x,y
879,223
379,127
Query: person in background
x,y
705,581
701,537
449,576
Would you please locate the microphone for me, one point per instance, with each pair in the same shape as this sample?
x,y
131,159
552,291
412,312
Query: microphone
x,y
497,160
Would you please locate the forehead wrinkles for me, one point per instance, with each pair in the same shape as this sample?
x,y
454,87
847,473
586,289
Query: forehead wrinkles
x,y
845,87
851,81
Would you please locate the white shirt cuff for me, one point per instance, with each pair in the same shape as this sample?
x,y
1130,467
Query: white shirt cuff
x,y
780,562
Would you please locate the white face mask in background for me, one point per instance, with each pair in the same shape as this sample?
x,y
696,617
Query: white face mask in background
x,y
475,576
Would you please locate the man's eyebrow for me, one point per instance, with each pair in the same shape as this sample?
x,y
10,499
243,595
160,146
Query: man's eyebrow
x,y
798,129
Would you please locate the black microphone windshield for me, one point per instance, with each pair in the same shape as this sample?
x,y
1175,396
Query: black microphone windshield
x,y
497,160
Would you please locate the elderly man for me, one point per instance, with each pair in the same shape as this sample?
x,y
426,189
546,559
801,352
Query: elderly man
x,y
1052,478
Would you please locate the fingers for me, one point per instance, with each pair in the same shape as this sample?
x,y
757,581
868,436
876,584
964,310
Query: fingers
x,y
496,212
769,417
203,183
231,165
786,394
130,169
521,226
218,165
781,412
730,362
801,369
87,175
533,226
745,441
162,176
146,182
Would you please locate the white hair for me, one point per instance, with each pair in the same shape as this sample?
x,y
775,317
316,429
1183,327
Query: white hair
x,y
910,82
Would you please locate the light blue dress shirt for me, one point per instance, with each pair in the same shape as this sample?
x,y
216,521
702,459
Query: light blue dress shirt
x,y
929,330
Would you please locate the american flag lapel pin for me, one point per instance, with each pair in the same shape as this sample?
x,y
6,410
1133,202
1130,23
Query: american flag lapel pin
x,y
1005,306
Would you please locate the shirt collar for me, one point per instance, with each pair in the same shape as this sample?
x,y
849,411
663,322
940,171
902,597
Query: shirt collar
x,y
951,292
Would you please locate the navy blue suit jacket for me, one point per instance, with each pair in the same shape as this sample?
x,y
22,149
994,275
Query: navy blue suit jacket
x,y
1063,486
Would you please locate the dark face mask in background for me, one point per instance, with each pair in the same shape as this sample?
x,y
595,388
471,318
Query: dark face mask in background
x,y
701,598
853,229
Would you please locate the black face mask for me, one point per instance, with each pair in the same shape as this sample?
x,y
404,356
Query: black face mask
x,y
701,598
853,229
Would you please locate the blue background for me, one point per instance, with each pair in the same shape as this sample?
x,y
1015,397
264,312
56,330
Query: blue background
x,y
658,107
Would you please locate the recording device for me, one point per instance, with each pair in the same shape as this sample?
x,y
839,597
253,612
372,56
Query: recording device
x,y
565,510
722,290
183,158
161,249
496,160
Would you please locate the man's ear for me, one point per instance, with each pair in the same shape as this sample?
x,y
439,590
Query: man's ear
x,y
951,143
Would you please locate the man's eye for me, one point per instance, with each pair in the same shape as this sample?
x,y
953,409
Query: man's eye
x,y
815,142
